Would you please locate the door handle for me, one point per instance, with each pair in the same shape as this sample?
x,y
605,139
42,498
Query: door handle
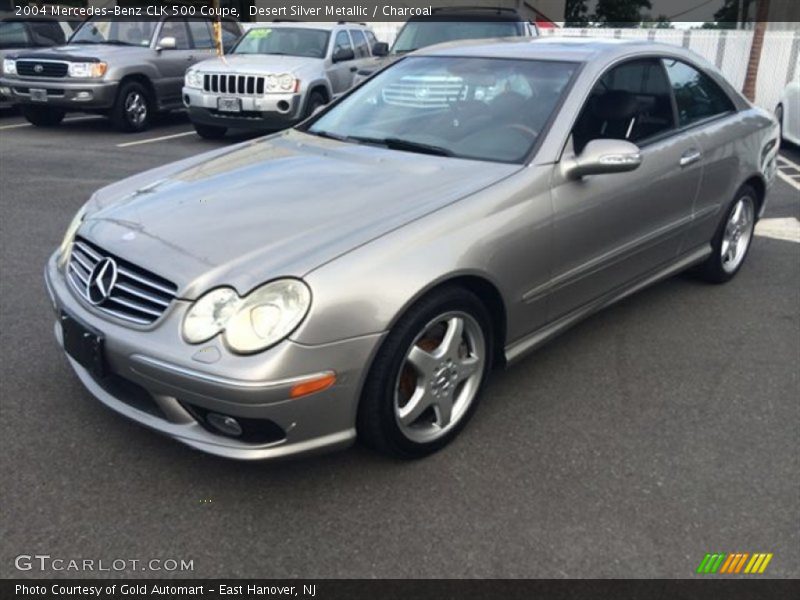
x,y
353,69
689,157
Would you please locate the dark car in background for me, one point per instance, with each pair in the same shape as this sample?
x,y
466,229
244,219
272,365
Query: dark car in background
x,y
22,33
127,69
449,24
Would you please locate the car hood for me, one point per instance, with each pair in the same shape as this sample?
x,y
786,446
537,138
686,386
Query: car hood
x,y
259,63
272,207
82,52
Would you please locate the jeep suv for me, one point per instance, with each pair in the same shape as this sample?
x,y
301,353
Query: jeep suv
x,y
449,24
127,69
277,75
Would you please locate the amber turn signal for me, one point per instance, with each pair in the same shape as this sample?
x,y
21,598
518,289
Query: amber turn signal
x,y
311,386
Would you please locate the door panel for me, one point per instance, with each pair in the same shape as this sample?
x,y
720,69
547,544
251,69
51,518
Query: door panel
x,y
341,74
172,64
611,229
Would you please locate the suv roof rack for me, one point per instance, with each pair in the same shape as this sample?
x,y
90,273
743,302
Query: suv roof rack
x,y
469,9
351,23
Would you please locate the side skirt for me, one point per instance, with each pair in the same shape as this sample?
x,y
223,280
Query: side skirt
x,y
518,349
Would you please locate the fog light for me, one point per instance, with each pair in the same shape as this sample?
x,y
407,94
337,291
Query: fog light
x,y
84,95
283,106
224,424
186,100
5,91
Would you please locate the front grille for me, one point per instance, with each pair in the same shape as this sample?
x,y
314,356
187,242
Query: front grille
x,y
425,92
240,85
136,295
35,68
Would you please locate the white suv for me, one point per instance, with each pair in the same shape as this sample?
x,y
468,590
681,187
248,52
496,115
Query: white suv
x,y
276,75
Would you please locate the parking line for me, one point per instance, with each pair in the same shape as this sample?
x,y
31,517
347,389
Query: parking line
x,y
156,139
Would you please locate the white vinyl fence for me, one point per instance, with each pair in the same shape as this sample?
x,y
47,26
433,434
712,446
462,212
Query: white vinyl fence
x,y
729,50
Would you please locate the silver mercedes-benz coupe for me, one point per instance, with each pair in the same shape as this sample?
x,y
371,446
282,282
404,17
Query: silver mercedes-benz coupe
x,y
360,275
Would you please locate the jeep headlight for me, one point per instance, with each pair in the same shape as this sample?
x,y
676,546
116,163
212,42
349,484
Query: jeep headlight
x,y
193,79
281,83
69,237
9,66
261,319
87,70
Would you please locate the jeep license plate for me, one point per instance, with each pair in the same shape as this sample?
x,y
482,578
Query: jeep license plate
x,y
38,95
229,104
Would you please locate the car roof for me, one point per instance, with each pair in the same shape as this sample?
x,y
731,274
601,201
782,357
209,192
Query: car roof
x,y
550,48
474,13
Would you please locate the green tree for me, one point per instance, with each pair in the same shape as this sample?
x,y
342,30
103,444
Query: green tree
x,y
576,13
620,13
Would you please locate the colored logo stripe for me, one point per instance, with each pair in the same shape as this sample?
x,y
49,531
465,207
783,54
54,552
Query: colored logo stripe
x,y
734,563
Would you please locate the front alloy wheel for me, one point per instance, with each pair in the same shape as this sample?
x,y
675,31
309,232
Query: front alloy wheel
x,y
426,379
440,377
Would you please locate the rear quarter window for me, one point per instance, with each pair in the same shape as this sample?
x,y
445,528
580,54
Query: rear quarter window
x,y
698,97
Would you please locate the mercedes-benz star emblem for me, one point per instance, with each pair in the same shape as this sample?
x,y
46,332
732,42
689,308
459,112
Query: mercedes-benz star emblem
x,y
101,281
38,68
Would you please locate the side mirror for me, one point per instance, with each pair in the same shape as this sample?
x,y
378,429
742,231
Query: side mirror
x,y
380,49
167,43
343,54
600,157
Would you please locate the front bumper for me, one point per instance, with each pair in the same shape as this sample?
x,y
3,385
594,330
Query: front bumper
x,y
62,93
158,380
270,111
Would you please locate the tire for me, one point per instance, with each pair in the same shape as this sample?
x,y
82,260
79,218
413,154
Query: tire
x,y
210,132
43,116
732,240
453,375
132,111
315,100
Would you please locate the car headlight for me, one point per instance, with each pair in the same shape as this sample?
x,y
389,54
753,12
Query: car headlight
x,y
87,69
193,79
262,318
9,66
281,83
69,237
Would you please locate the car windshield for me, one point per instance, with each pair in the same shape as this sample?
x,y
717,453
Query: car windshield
x,y
478,108
418,34
129,33
291,41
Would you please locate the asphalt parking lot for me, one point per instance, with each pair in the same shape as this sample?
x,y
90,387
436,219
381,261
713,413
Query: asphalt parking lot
x,y
661,429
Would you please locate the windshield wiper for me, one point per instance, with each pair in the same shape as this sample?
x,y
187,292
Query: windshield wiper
x,y
394,143
329,135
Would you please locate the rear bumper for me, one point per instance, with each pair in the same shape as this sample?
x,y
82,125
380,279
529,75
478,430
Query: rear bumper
x,y
271,111
156,379
61,93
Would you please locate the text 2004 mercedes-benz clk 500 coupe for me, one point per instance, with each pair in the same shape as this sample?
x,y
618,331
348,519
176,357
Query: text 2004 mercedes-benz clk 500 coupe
x,y
360,275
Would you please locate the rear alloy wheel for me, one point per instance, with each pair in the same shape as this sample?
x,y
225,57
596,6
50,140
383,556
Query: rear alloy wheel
x,y
732,240
210,132
43,116
427,377
131,111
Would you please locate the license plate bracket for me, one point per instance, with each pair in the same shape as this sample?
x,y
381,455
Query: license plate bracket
x,y
84,344
229,104
38,95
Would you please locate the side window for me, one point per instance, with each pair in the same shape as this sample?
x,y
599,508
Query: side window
x,y
630,102
175,28
342,42
698,97
362,50
201,33
371,39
